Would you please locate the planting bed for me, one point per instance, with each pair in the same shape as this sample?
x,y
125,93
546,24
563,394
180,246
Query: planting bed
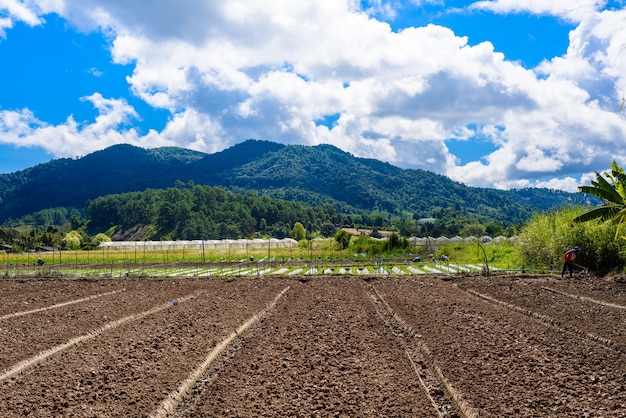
x,y
391,346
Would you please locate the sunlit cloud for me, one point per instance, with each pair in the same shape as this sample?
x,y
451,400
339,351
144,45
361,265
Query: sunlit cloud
x,y
335,72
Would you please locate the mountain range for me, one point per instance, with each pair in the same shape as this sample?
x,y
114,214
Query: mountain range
x,y
314,175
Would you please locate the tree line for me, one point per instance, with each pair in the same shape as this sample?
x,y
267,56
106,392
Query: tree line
x,y
189,211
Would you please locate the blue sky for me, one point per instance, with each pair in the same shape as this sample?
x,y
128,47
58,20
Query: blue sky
x,y
496,93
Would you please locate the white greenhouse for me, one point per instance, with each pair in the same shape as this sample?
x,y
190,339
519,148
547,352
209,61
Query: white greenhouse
x,y
200,244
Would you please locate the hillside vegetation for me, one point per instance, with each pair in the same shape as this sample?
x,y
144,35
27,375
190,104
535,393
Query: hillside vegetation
x,y
194,212
314,176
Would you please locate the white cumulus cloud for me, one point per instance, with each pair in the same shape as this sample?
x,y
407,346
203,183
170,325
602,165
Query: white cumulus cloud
x,y
238,69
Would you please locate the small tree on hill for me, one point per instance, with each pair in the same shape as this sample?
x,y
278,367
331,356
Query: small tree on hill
x,y
343,239
328,229
474,229
298,233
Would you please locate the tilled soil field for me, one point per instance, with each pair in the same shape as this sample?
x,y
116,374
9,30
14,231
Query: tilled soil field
x,y
395,346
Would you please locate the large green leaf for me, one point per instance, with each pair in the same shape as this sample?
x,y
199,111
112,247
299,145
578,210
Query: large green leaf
x,y
602,193
603,189
612,194
620,183
620,216
602,212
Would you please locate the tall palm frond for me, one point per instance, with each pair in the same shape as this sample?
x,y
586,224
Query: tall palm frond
x,y
619,179
611,189
604,190
603,212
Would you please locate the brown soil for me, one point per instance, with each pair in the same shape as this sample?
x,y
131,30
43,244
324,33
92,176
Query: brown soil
x,y
328,346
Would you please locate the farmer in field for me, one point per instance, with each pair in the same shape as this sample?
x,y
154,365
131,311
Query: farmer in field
x,y
569,260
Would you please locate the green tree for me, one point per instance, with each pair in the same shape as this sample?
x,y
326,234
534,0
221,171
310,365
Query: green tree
x,y
298,232
76,222
405,227
343,239
29,239
328,229
474,229
493,228
611,188
395,241
72,240
50,237
100,238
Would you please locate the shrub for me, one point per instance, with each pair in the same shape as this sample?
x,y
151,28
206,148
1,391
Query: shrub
x,y
100,238
72,240
343,239
544,239
362,244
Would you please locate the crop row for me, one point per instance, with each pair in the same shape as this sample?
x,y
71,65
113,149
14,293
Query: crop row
x,y
233,269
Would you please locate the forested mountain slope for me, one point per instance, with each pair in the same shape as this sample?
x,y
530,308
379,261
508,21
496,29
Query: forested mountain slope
x,y
310,174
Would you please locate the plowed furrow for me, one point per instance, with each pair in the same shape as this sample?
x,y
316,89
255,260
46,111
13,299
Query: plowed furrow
x,y
130,369
585,298
25,336
607,343
59,305
504,362
173,400
323,352
40,357
446,400
572,312
28,295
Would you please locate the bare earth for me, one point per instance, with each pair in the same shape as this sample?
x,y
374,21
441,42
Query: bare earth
x,y
392,346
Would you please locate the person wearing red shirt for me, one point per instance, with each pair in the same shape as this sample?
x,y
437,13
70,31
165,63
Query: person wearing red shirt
x,y
569,259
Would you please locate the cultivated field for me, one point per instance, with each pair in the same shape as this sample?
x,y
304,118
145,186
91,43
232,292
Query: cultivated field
x,y
313,346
